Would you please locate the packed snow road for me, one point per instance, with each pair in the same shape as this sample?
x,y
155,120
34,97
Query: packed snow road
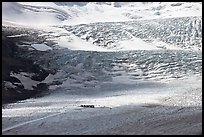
x,y
172,109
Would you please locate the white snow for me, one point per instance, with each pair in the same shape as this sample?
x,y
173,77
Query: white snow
x,y
9,85
43,15
77,44
135,44
23,45
69,40
92,12
125,108
16,13
41,47
20,35
47,4
49,78
163,45
159,10
26,81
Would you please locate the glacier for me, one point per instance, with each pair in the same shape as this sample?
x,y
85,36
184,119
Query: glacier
x,y
138,63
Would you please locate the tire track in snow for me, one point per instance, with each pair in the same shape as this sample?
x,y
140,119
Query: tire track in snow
x,y
27,122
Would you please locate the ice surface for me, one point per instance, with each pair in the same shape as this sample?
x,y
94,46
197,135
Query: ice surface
x,y
41,47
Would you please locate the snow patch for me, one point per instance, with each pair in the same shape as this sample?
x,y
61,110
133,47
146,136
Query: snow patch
x,y
26,81
163,45
20,35
69,40
9,84
41,47
135,44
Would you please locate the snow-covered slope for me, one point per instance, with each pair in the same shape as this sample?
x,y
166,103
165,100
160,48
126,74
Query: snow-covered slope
x,y
35,13
31,15
174,33
158,10
112,26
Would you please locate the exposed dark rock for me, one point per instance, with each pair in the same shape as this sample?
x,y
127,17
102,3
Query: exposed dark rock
x,y
15,94
40,75
42,86
12,79
56,83
12,61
